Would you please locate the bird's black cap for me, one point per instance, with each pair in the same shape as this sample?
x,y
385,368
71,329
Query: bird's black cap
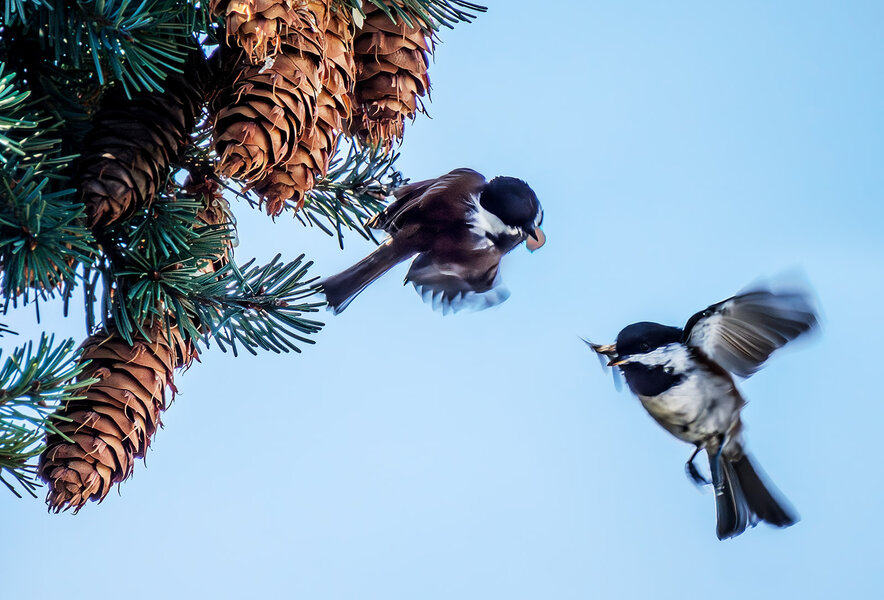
x,y
512,200
645,336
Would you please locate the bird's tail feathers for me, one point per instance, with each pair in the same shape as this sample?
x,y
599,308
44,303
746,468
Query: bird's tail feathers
x,y
342,288
764,500
745,498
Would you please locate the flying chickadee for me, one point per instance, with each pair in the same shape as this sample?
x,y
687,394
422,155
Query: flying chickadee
x,y
683,378
458,227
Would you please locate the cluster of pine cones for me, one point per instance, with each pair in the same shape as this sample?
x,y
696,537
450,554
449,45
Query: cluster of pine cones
x,y
305,73
292,77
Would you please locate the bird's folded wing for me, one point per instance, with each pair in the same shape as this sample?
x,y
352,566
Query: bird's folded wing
x,y
433,200
740,333
403,196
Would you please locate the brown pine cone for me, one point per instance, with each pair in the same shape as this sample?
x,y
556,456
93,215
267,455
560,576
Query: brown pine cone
x,y
114,422
392,59
128,152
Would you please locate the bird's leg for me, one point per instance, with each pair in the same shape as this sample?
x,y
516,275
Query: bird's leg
x,y
691,469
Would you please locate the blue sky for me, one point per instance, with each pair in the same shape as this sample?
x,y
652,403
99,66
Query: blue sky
x,y
680,152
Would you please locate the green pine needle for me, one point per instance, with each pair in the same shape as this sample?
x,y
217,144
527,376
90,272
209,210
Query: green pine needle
x,y
435,13
356,187
260,307
156,272
34,381
42,237
134,43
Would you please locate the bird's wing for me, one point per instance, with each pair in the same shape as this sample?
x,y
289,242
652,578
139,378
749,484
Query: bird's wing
x,y
740,333
403,196
470,280
433,201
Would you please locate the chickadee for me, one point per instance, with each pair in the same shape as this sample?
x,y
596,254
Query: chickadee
x,y
458,227
684,379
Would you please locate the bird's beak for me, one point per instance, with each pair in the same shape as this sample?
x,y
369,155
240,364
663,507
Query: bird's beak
x,y
606,349
609,350
536,239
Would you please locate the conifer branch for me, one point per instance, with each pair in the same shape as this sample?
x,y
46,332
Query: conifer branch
x,y
157,272
356,187
34,381
41,237
134,43
437,13
260,307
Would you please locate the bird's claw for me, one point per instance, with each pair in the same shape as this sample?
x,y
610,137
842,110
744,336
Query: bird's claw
x,y
694,475
691,470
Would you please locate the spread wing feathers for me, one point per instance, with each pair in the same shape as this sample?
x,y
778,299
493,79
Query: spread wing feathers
x,y
455,286
430,201
740,333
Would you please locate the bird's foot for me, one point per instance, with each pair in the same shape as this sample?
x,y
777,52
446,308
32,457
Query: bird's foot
x,y
691,470
694,474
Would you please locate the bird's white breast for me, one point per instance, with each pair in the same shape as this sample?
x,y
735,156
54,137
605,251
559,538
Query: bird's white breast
x,y
701,404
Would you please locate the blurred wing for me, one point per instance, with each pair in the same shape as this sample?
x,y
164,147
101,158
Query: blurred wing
x,y
452,286
740,333
434,200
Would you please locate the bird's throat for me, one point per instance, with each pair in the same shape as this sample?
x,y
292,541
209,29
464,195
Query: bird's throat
x,y
647,380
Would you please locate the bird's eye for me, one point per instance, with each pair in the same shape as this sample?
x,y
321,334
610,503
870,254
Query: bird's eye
x,y
669,370
644,346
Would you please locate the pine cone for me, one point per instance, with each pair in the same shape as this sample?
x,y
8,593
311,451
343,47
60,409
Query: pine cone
x,y
114,422
215,211
132,143
287,183
391,74
333,105
258,25
339,74
272,104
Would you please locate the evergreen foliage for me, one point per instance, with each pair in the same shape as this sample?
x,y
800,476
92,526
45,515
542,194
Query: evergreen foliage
x,y
34,380
111,193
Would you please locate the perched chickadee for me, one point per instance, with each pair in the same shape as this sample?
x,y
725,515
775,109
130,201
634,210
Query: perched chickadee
x,y
459,227
683,378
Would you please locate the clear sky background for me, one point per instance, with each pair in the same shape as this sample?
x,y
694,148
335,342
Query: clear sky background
x,y
681,150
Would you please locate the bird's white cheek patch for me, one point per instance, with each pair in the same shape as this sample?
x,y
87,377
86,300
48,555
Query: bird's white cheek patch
x,y
674,356
484,222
